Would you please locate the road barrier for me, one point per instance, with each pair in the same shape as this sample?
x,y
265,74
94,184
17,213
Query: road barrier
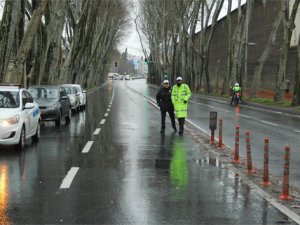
x,y
237,145
220,144
266,181
286,172
249,158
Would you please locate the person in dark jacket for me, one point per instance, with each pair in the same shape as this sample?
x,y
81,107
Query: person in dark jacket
x,y
163,99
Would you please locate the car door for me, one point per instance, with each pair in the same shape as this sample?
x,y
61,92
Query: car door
x,y
33,114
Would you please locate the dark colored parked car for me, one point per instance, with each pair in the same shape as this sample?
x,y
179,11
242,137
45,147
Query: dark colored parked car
x,y
53,101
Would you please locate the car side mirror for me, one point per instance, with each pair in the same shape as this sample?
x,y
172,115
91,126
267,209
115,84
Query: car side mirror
x,y
84,91
29,105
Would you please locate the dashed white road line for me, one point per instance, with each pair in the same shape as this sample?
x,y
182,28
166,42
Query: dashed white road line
x,y
272,124
298,131
87,147
106,115
69,178
102,121
244,116
97,131
108,110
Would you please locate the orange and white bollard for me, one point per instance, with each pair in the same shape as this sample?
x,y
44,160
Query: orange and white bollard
x,y
249,158
266,181
220,144
285,183
237,145
212,137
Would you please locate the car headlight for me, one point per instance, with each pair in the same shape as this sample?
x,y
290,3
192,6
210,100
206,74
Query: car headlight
x,y
10,121
51,107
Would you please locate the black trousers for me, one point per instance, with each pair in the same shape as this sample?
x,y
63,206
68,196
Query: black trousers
x,y
163,117
181,124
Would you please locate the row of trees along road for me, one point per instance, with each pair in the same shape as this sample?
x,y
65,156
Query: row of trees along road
x,y
175,47
59,41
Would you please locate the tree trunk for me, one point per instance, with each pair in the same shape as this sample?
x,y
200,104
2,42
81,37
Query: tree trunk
x,y
27,41
289,26
264,56
296,94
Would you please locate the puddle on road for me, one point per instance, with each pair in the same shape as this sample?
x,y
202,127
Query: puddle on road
x,y
208,161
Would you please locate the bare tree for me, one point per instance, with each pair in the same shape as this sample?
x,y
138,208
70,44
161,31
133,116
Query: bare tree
x,y
289,25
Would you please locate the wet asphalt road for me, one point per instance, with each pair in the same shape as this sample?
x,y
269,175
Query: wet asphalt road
x,y
131,174
280,128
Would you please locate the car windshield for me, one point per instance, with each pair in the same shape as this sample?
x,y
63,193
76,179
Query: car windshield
x,y
69,90
78,89
50,93
9,99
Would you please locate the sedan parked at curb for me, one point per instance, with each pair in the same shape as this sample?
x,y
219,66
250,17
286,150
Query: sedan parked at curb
x,y
82,96
53,101
19,116
74,99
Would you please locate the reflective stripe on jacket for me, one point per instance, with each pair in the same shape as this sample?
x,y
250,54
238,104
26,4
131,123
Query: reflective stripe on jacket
x,y
179,95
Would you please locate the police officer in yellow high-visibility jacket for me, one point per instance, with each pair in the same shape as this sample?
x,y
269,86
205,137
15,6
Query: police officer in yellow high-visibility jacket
x,y
180,96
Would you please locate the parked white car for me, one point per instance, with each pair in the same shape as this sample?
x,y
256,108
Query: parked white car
x,y
71,92
82,96
19,116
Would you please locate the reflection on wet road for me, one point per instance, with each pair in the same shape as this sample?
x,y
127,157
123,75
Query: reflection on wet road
x,y
131,174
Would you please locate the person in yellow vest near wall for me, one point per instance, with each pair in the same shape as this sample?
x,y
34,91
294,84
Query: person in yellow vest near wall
x,y
181,94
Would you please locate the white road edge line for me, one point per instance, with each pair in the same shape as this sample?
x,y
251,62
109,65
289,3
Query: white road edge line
x,y
102,121
295,217
97,131
272,124
67,181
106,115
87,147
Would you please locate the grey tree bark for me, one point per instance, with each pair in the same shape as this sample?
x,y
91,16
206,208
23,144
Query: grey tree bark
x,y
289,25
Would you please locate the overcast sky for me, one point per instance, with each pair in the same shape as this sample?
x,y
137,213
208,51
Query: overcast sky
x,y
132,41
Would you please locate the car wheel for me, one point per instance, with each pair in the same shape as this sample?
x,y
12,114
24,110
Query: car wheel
x,y
68,117
58,120
37,135
22,140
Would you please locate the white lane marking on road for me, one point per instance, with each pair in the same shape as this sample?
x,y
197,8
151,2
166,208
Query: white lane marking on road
x,y
298,131
87,147
102,121
106,115
69,178
244,116
108,110
272,124
97,131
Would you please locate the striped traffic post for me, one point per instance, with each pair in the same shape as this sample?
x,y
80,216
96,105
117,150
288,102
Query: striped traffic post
x,y
285,183
266,181
220,144
237,145
249,158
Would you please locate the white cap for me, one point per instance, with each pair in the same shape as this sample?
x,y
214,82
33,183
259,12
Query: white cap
x,y
166,82
236,84
179,78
